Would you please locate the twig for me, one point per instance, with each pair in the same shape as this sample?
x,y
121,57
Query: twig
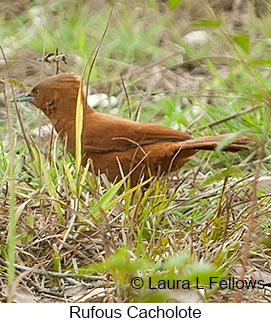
x,y
16,107
56,274
233,116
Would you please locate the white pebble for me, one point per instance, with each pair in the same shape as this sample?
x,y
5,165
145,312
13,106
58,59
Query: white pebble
x,y
197,37
102,99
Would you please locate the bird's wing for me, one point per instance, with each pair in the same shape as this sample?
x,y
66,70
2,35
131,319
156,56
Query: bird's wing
x,y
106,133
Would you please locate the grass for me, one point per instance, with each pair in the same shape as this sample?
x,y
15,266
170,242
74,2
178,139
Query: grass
x,y
210,219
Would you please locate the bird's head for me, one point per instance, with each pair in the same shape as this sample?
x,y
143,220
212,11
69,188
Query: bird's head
x,y
56,96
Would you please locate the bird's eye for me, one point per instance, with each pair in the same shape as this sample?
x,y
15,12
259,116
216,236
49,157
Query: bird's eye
x,y
35,92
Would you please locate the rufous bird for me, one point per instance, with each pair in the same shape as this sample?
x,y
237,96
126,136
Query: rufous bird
x,y
115,145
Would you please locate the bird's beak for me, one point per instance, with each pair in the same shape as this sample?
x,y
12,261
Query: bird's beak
x,y
24,97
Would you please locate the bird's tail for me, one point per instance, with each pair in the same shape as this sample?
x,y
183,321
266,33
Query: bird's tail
x,y
212,142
